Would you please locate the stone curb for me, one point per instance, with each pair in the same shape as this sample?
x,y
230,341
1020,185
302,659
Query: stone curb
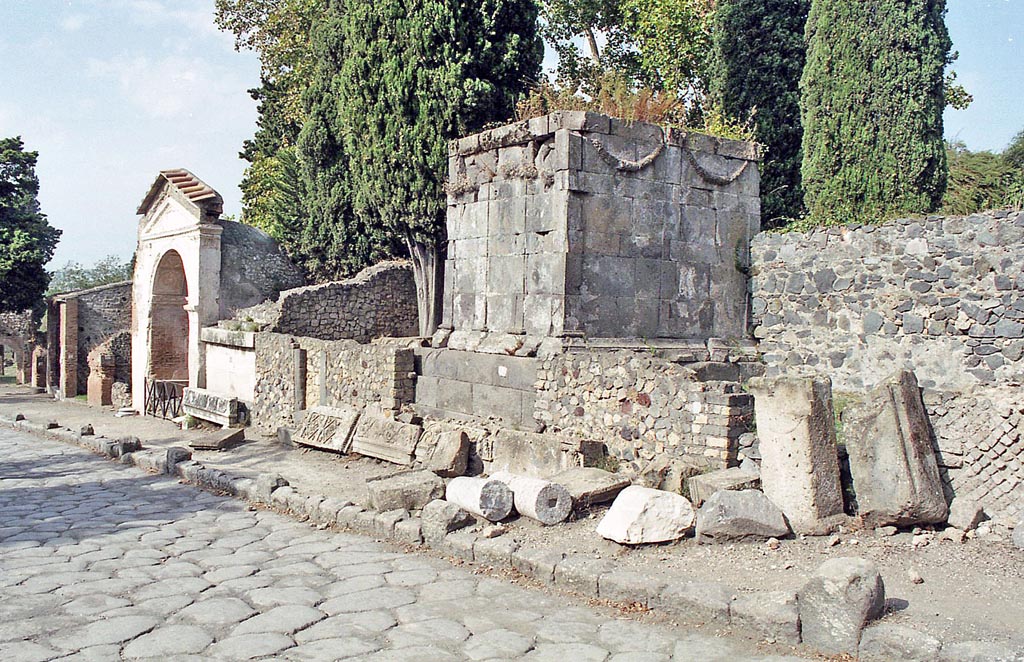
x,y
698,603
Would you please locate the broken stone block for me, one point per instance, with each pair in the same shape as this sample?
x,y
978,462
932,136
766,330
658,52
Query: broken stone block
x,y
886,641
385,439
439,518
590,485
642,515
209,406
486,497
773,615
965,514
548,503
668,474
836,603
742,515
892,462
533,454
799,458
1018,535
328,428
409,489
86,431
703,486
450,455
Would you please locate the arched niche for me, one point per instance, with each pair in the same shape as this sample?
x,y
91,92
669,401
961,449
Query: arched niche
x,y
169,320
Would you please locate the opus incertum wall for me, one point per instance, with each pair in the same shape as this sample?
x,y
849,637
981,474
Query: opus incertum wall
x,y
576,224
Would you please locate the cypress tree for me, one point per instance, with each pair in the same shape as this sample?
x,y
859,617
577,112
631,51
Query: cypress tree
x,y
759,56
872,101
412,75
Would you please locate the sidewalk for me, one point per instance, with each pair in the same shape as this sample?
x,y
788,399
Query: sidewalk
x,y
970,593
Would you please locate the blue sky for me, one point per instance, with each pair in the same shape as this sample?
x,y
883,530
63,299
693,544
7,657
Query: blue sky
x,y
109,92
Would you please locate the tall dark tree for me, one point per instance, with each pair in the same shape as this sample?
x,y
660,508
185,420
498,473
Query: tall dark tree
x,y
27,241
872,101
413,74
759,56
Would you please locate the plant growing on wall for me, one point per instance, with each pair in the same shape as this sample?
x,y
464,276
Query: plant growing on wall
x,y
759,56
411,75
872,96
27,240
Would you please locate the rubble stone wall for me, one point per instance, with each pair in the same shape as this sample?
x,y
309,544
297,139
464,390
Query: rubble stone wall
x,y
336,372
642,407
940,296
378,302
943,297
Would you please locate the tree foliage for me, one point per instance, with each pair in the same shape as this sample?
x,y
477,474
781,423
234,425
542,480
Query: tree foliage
x,y
982,180
409,75
759,56
872,101
658,44
279,32
27,241
75,276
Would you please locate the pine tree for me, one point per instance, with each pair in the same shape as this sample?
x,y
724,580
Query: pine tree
x,y
412,75
759,56
872,101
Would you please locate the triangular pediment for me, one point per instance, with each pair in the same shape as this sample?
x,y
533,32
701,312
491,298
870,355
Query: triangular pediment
x,y
192,196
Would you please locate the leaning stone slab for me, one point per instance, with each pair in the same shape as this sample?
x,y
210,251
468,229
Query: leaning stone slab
x,y
745,515
590,485
449,455
642,515
895,475
385,438
773,615
703,486
542,500
209,406
486,497
837,602
799,458
411,490
882,642
329,428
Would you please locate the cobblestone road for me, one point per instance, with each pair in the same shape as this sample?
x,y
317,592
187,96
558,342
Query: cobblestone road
x,y
100,562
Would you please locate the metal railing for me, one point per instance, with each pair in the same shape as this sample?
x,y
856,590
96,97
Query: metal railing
x,y
163,397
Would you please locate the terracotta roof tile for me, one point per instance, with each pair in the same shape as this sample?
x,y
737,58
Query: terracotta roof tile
x,y
196,190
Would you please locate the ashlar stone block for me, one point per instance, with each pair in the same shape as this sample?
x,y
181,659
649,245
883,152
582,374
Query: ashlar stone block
x,y
799,457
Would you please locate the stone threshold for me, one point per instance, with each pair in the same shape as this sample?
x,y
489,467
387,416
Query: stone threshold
x,y
770,617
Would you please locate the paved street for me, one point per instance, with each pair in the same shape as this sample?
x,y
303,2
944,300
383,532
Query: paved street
x,y
100,562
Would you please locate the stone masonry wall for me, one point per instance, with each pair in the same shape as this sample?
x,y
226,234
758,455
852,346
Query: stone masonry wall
x,y
102,312
579,224
942,296
378,302
643,406
336,372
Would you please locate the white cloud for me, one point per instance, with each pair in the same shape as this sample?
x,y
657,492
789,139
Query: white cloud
x,y
169,87
72,22
197,15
